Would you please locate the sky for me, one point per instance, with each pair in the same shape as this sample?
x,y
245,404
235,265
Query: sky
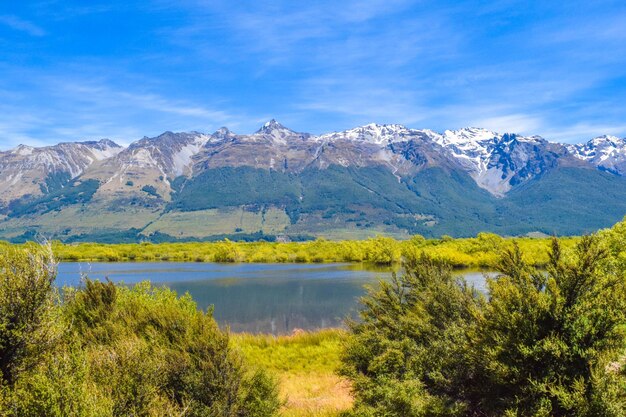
x,y
76,70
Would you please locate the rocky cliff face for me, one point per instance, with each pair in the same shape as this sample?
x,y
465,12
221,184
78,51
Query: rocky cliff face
x,y
149,162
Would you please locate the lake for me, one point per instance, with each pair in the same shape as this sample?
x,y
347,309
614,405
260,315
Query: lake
x,y
256,298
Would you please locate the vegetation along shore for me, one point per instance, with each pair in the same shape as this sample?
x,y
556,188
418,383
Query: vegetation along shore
x,y
480,251
547,339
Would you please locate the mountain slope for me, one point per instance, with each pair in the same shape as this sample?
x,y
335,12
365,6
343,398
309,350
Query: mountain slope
x,y
34,171
373,179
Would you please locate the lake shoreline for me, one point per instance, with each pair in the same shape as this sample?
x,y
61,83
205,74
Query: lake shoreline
x,y
256,298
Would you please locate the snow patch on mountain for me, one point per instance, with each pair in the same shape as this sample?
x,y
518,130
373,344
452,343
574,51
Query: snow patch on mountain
x,y
183,159
605,152
372,133
482,153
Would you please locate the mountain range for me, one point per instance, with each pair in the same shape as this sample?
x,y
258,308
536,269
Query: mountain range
x,y
373,179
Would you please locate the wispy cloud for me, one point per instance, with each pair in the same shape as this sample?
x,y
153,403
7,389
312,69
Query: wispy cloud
x,y
21,25
128,69
87,109
581,132
518,123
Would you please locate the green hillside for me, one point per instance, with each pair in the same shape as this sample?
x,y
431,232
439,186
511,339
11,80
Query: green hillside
x,y
245,203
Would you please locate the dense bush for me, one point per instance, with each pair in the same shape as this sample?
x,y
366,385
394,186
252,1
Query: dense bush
x,y
115,351
404,355
543,343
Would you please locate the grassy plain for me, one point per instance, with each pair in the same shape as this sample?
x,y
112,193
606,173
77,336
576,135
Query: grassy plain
x,y
215,222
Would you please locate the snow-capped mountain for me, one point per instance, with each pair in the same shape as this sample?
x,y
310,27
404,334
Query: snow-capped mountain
x,y
149,162
498,162
403,180
28,170
374,133
605,152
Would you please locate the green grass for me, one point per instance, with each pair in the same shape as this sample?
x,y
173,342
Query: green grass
x,y
306,366
301,352
210,222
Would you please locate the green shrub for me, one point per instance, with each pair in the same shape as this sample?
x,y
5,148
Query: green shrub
x,y
226,251
547,337
27,313
545,342
110,350
404,355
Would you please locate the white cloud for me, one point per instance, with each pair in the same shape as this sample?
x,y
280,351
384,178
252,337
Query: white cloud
x,y
21,25
582,132
93,110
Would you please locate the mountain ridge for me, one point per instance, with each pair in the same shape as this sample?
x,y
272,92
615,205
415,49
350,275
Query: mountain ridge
x,y
304,182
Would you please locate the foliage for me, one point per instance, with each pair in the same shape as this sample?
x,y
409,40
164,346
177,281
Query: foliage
x,y
546,338
27,313
55,181
480,252
118,351
403,356
254,187
150,190
544,343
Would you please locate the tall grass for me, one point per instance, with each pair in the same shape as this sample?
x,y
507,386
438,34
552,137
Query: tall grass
x,y
305,364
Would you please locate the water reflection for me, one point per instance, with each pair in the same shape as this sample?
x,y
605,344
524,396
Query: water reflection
x,y
259,298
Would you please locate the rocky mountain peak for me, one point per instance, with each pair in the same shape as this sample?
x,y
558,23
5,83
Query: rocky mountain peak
x,y
273,126
103,144
223,133
469,135
605,152
22,150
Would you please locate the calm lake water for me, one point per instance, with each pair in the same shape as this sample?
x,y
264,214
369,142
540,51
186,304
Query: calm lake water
x,y
257,298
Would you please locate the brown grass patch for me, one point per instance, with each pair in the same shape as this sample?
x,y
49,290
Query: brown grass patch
x,y
314,394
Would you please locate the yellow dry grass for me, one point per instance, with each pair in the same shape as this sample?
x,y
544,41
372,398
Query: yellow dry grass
x,y
305,365
316,394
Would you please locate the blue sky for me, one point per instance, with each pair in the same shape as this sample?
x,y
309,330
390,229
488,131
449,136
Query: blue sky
x,y
74,70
